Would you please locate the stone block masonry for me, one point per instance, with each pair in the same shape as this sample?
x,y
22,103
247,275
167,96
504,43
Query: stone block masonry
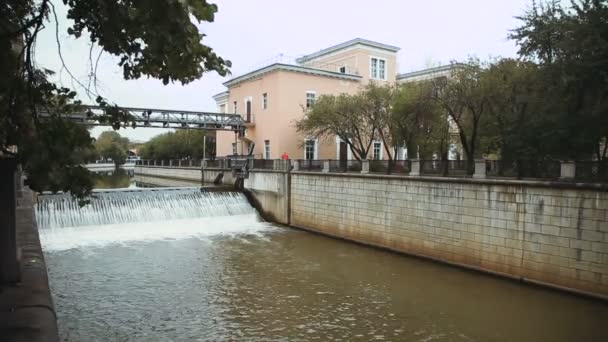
x,y
183,173
549,233
27,312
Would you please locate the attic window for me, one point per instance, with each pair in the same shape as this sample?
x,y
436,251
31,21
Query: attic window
x,y
377,68
343,69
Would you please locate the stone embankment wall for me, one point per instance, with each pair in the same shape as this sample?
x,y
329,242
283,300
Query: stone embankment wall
x,y
185,173
550,233
179,173
26,308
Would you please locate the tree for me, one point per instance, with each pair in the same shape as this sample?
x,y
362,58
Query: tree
x,y
110,145
419,121
184,144
516,127
344,116
377,103
570,45
150,38
462,97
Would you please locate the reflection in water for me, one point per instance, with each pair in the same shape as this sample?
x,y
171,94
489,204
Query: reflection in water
x,y
263,283
119,178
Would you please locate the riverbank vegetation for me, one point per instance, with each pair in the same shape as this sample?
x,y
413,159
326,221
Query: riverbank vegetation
x,y
181,144
158,39
111,146
550,103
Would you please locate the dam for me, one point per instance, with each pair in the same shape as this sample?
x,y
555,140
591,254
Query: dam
x,y
188,264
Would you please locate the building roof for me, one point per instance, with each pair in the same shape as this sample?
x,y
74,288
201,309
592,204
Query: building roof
x,y
345,45
221,95
428,71
289,67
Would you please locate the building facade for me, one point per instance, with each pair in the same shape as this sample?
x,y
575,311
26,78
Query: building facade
x,y
272,98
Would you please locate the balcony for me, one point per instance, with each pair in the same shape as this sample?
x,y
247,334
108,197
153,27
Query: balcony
x,y
249,119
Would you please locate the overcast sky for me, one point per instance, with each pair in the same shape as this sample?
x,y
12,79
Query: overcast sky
x,y
251,32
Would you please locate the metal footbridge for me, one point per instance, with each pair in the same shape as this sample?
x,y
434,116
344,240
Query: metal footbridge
x,y
160,118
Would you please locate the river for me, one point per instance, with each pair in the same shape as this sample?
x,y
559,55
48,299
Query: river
x,y
227,278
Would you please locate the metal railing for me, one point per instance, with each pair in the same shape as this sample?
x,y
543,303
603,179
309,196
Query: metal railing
x,y
345,166
452,168
401,167
582,171
524,168
591,171
310,165
214,164
262,164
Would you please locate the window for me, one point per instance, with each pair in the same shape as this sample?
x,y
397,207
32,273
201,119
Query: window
x,y
234,151
249,117
264,100
310,149
343,69
234,106
377,152
377,68
310,98
266,149
381,69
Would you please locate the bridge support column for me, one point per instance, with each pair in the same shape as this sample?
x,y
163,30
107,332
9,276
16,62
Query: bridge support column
x,y
9,255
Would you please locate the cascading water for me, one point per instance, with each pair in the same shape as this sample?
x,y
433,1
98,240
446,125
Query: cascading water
x,y
142,214
126,206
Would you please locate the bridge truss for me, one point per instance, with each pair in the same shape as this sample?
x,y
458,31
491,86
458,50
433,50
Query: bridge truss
x,y
161,118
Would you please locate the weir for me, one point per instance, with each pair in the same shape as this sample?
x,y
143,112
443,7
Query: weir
x,y
54,211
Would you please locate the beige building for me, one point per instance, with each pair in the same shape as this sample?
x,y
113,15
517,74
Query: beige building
x,y
272,98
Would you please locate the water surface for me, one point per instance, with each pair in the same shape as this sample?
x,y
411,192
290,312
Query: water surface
x,y
234,278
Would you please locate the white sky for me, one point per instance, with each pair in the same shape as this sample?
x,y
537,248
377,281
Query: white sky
x,y
251,32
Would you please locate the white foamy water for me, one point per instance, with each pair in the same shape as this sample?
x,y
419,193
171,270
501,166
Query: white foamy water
x,y
132,206
58,239
118,217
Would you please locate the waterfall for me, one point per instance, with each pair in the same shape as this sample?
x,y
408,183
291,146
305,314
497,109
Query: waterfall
x,y
138,205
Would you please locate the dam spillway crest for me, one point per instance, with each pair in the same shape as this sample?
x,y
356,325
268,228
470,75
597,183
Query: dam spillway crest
x,y
131,206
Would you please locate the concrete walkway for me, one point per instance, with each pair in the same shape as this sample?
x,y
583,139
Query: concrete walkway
x,y
26,308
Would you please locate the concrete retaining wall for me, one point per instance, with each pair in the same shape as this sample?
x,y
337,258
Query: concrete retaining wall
x,y
544,232
185,173
182,173
271,192
26,308
209,175
541,232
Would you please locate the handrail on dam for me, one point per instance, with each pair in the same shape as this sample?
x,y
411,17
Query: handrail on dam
x,y
564,171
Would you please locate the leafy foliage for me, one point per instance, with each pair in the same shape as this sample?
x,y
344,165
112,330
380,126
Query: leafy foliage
x,y
186,144
110,145
153,38
418,121
570,46
150,38
377,103
345,116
